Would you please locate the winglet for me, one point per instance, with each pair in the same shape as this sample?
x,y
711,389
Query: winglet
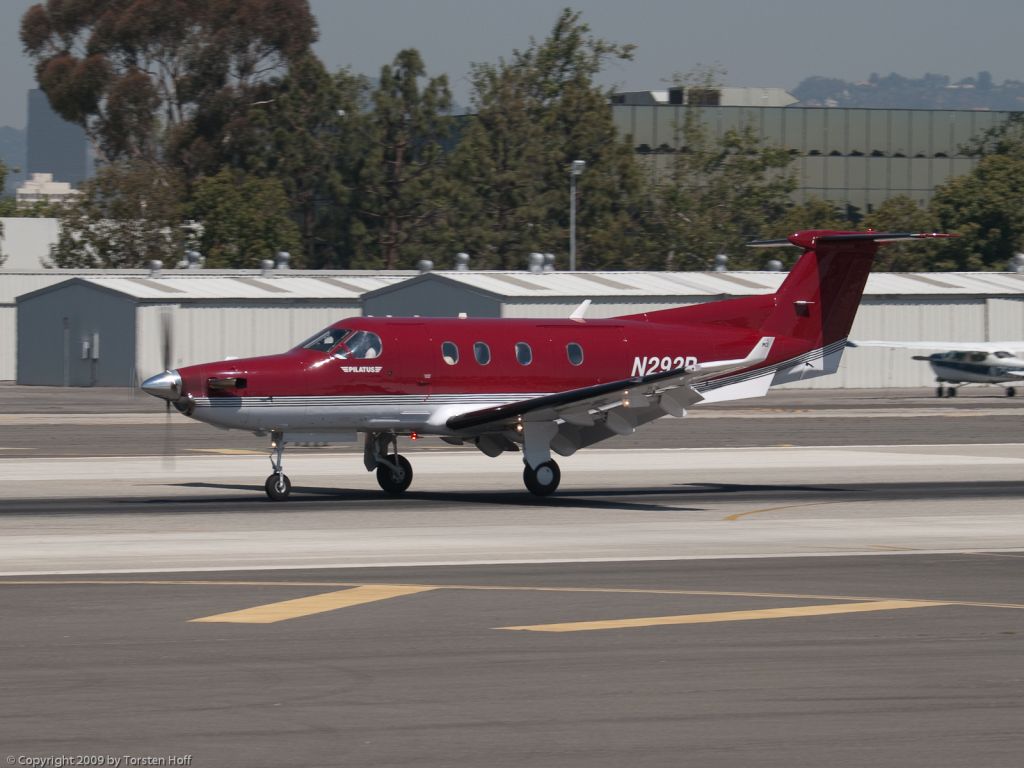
x,y
757,356
580,311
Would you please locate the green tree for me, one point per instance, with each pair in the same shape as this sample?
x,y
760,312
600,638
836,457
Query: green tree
x,y
718,194
903,214
400,199
243,220
128,215
142,74
537,112
986,206
308,136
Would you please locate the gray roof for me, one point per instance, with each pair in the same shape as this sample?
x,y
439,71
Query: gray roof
x,y
207,285
584,285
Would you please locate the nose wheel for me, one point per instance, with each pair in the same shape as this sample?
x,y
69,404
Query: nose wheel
x,y
278,486
543,480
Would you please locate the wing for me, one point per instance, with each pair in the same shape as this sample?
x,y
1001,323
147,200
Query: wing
x,y
949,346
671,391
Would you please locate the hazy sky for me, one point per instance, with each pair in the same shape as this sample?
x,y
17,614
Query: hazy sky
x,y
757,42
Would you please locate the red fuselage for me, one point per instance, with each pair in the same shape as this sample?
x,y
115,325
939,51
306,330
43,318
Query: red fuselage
x,y
415,358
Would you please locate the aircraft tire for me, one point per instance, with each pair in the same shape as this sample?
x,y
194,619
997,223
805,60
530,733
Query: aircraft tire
x,y
1010,391
278,487
950,391
940,391
393,482
544,480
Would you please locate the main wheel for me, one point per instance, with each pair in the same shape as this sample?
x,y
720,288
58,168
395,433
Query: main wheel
x,y
395,481
278,487
1010,391
543,480
950,391
940,391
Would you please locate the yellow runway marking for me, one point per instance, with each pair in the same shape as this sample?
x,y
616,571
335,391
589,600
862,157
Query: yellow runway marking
x,y
741,515
308,606
710,618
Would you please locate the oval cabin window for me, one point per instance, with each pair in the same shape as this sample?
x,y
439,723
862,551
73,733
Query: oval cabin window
x,y
450,352
524,355
575,353
482,353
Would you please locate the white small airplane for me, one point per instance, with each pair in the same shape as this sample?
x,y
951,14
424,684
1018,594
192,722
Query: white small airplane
x,y
966,362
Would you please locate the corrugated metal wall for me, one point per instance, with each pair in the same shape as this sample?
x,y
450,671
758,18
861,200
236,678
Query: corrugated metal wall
x,y
902,320
53,326
8,342
214,332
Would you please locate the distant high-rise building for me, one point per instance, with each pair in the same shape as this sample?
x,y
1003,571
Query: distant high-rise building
x,y
55,146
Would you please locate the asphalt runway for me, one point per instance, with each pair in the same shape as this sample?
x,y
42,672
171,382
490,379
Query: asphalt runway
x,y
885,661
813,578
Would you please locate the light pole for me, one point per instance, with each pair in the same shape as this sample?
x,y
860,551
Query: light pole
x,y
575,169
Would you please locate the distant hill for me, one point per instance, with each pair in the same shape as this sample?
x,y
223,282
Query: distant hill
x,y
898,92
12,152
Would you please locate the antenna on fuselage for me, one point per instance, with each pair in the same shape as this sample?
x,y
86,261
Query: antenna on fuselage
x,y
580,311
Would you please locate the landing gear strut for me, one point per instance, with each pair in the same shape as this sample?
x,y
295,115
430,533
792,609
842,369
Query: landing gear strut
x,y
278,486
394,472
540,473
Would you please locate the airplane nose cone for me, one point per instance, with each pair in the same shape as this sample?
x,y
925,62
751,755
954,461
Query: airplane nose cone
x,y
166,385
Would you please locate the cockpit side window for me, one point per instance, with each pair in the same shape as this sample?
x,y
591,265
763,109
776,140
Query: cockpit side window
x,y
1003,355
978,357
361,345
326,340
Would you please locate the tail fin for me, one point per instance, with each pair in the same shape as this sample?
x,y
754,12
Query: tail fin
x,y
818,300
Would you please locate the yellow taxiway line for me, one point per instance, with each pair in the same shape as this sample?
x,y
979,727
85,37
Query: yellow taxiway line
x,y
308,606
709,618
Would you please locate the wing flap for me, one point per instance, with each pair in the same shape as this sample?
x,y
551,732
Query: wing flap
x,y
577,404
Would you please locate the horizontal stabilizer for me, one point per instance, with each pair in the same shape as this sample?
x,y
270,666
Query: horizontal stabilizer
x,y
810,238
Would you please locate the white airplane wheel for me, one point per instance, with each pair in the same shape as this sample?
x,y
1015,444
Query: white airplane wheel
x,y
395,481
278,487
543,480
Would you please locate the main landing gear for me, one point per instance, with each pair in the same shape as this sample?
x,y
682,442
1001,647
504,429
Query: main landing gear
x,y
543,480
380,454
941,391
541,474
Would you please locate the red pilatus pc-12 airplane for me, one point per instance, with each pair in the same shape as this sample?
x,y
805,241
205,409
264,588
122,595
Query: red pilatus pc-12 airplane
x,y
533,385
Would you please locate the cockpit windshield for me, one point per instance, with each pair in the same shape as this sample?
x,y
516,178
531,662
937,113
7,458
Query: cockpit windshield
x,y
1004,355
345,344
326,340
361,345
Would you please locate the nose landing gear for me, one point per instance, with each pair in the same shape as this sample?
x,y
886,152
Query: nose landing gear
x,y
278,487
